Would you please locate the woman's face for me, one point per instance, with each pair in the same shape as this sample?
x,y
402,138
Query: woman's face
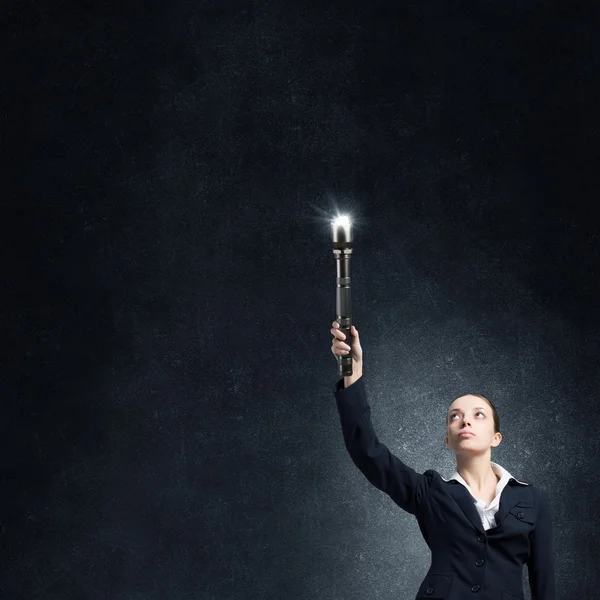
x,y
470,414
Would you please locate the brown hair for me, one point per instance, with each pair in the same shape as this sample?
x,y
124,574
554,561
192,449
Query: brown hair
x,y
494,412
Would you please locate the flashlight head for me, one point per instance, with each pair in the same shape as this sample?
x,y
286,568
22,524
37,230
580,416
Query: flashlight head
x,y
342,232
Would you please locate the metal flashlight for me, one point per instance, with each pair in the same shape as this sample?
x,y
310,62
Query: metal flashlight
x,y
342,237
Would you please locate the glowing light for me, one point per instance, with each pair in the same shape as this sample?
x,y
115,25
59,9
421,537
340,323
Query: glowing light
x,y
342,221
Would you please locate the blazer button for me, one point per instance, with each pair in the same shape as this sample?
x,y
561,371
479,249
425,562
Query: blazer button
x,y
475,588
520,515
481,538
430,590
479,562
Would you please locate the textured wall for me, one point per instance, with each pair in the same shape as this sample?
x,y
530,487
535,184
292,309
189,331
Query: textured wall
x,y
168,415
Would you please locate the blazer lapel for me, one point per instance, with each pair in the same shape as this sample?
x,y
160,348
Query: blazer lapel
x,y
512,494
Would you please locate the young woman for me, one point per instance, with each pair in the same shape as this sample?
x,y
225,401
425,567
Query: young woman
x,y
481,525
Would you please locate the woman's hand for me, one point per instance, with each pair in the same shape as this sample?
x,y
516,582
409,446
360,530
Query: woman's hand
x,y
340,348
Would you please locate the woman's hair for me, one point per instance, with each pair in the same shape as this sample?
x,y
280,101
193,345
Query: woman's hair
x,y
494,412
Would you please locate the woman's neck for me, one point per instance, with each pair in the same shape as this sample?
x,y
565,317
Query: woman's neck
x,y
476,471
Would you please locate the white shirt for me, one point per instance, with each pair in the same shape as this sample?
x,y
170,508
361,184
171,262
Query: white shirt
x,y
488,513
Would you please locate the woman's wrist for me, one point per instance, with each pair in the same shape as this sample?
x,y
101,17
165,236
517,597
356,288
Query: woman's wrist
x,y
357,372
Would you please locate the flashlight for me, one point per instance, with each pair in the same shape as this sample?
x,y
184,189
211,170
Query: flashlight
x,y
342,236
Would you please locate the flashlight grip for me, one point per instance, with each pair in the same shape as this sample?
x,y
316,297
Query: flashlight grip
x,y
345,362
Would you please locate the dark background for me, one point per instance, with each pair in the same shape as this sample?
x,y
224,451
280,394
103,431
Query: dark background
x,y
169,429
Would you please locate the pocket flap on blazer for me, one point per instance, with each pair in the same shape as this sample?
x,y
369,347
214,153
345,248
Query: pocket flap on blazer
x,y
435,586
525,504
523,514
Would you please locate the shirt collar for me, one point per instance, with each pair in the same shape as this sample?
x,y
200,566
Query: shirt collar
x,y
504,475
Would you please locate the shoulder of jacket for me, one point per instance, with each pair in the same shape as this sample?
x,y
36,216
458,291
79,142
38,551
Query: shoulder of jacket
x,y
540,495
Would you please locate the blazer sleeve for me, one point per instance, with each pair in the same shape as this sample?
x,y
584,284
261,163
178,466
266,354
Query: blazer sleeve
x,y
385,471
541,557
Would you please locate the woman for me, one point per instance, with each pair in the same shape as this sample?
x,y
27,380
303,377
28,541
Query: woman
x,y
481,525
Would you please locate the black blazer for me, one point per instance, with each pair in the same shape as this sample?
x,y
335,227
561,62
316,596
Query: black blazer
x,y
467,561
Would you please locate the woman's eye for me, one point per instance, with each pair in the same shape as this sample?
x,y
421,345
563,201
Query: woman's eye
x,y
477,413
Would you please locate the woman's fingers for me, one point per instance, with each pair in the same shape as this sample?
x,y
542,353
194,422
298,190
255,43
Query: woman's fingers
x,y
337,333
337,346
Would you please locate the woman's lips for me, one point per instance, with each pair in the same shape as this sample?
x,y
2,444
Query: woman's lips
x,y
465,434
